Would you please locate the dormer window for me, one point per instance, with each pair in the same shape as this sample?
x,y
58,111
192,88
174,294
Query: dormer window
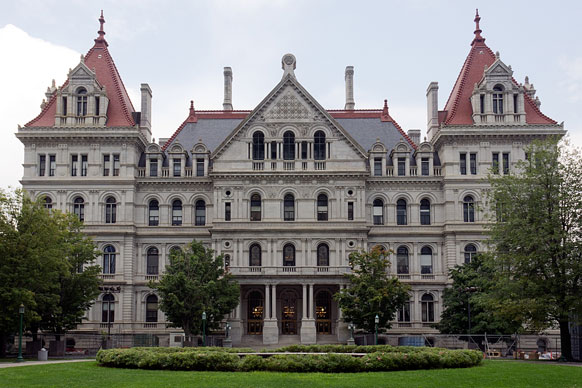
x,y
81,102
498,99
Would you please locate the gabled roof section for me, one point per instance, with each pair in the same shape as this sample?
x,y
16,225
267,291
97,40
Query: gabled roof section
x,y
458,110
98,59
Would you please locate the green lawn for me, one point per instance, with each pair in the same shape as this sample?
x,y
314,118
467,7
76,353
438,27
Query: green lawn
x,y
491,374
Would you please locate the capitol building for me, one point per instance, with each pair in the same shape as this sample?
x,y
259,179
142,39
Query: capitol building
x,y
285,191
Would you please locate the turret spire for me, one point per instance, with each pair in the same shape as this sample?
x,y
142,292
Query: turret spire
x,y
101,32
478,37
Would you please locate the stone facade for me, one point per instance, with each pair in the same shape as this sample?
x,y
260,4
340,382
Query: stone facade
x,y
286,191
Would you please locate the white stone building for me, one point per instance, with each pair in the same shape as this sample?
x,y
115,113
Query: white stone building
x,y
285,191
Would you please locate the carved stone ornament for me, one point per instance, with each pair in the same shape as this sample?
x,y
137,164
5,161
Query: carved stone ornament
x,y
288,108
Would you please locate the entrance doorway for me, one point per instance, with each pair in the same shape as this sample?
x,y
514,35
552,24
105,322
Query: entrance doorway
x,y
323,312
255,313
288,313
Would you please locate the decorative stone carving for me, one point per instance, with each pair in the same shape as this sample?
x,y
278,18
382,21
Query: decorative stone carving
x,y
288,108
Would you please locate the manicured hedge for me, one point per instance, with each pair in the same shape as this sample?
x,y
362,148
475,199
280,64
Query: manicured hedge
x,y
336,359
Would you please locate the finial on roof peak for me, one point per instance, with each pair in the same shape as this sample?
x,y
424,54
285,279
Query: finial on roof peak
x,y
478,37
288,64
497,55
385,109
101,32
192,115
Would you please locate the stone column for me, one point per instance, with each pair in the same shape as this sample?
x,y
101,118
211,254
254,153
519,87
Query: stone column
x,y
274,302
236,323
308,334
343,333
270,328
304,314
267,301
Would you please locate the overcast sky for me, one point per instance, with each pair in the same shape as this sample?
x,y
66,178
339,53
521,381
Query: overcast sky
x,y
180,48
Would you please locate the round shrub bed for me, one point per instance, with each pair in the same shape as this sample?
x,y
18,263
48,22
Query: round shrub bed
x,y
296,358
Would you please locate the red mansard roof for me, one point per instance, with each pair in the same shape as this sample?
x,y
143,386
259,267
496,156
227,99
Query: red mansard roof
x,y
458,110
98,59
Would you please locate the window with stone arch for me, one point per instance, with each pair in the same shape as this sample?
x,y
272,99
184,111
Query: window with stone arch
x,y
470,253
424,211
258,146
152,261
79,208
48,203
323,255
151,308
378,211
110,210
200,213
289,255
154,213
289,207
427,308
176,212
426,260
109,258
108,308
402,261
255,255
289,146
255,207
401,216
319,145
468,209
81,96
322,207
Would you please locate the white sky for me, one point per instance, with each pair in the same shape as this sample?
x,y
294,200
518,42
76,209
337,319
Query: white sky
x,y
181,47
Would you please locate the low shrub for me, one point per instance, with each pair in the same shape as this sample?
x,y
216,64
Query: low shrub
x,y
333,360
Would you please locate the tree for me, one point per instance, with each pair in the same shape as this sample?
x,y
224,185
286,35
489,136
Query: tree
x,y
372,291
40,252
472,282
195,282
537,240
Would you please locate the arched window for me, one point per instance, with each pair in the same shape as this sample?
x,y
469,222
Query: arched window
x,y
81,102
323,312
255,309
108,308
255,207
79,208
200,213
322,255
255,255
109,259
470,252
177,212
154,213
426,260
401,218
402,266
289,255
498,99
427,308
378,211
289,207
258,146
322,208
110,210
48,203
468,209
152,261
424,212
319,146
289,145
152,308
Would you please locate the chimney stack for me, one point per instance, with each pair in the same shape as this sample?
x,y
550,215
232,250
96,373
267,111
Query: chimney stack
x,y
227,104
350,104
432,105
145,121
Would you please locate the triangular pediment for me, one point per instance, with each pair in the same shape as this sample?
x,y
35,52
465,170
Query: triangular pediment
x,y
288,107
498,68
81,72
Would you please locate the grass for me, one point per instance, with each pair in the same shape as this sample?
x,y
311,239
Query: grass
x,y
490,374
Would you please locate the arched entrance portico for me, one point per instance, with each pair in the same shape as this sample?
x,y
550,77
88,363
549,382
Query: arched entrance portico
x,y
289,312
255,310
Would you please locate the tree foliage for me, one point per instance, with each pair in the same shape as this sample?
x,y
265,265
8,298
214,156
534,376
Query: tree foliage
x,y
372,291
40,254
537,240
195,282
472,282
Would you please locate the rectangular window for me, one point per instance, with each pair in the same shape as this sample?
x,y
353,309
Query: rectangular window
x,y
377,166
401,166
52,165
463,164
273,150
64,106
515,103
424,166
106,165
505,163
404,313
473,159
74,164
303,150
199,167
177,167
115,164
41,165
482,103
227,211
96,106
84,164
350,211
495,164
153,167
